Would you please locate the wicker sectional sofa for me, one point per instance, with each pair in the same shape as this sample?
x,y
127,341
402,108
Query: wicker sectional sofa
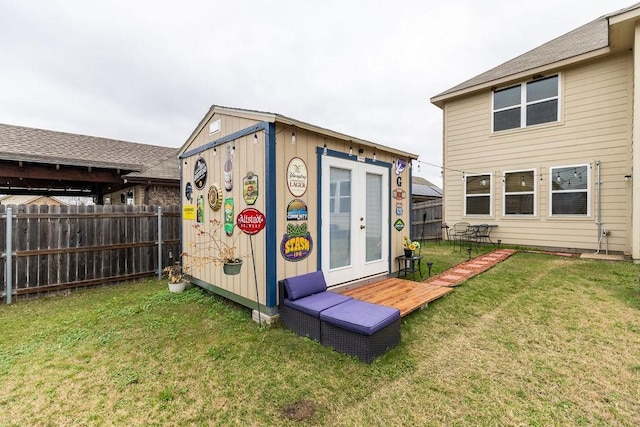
x,y
349,326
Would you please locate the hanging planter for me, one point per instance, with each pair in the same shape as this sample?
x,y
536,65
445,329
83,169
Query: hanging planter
x,y
232,268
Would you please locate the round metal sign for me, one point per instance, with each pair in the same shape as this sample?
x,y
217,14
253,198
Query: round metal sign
x,y
297,177
215,197
251,221
200,173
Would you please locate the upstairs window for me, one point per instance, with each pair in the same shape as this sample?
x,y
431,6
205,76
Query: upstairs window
x,y
526,104
519,193
477,195
570,190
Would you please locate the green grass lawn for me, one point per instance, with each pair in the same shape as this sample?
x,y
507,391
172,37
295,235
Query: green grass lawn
x,y
537,340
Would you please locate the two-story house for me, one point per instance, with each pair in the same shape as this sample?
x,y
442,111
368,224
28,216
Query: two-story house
x,y
545,146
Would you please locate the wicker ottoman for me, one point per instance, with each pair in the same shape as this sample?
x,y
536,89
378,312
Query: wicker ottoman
x,y
302,316
360,329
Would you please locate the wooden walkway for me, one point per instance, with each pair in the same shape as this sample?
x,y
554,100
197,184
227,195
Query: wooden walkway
x,y
408,296
405,295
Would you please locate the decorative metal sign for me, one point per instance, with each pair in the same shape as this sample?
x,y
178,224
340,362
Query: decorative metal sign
x,y
399,209
188,191
200,173
296,244
297,210
200,209
399,194
189,212
297,177
215,197
250,188
251,221
228,216
401,165
399,224
228,171
399,181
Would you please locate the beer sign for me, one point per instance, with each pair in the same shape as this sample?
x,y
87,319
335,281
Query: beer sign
x,y
251,221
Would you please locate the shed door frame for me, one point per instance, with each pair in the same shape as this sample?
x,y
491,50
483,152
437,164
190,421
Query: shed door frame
x,y
360,233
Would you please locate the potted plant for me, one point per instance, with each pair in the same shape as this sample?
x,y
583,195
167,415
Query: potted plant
x,y
410,246
216,249
176,277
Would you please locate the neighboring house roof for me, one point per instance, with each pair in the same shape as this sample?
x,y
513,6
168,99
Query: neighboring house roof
x,y
423,188
425,191
273,118
166,169
17,199
18,143
578,44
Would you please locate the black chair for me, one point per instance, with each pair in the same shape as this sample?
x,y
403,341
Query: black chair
x,y
482,234
459,233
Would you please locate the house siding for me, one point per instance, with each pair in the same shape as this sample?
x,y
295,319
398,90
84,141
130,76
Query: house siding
x,y
595,125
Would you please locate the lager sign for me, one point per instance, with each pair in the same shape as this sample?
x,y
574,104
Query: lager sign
x,y
251,221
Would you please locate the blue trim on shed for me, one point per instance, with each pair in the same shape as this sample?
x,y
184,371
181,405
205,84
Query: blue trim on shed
x,y
232,136
271,214
409,196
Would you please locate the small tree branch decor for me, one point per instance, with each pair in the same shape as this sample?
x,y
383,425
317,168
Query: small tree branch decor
x,y
213,247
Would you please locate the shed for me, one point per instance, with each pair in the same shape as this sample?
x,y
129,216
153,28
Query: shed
x,y
290,197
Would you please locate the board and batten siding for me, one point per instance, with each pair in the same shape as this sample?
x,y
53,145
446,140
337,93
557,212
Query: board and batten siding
x,y
248,156
595,125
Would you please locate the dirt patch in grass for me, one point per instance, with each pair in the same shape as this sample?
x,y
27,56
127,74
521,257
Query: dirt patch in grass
x,y
299,411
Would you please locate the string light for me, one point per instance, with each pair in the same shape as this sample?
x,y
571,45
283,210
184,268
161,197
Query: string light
x,y
293,135
255,138
233,150
374,157
215,152
324,149
351,151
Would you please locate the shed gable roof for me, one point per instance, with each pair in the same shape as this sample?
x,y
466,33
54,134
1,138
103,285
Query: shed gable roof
x,y
274,117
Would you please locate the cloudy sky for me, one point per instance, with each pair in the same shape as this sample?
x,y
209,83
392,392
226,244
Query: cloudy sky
x,y
148,71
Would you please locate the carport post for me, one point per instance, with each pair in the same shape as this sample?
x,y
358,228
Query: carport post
x,y
159,242
9,258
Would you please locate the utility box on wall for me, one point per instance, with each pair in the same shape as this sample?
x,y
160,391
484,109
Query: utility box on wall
x,y
287,198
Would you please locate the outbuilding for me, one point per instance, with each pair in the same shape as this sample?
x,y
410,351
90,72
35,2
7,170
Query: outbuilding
x,y
288,198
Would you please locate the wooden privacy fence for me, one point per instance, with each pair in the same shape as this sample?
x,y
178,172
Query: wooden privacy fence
x,y
60,247
427,220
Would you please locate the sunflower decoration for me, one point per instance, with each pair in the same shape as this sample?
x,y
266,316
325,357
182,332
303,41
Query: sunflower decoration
x,y
411,245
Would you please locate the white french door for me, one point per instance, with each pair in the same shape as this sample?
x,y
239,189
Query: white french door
x,y
355,220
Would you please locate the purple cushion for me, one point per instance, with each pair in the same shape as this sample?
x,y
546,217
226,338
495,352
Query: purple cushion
x,y
314,304
359,316
304,285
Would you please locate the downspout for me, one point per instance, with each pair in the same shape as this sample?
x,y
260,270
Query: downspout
x,y
598,205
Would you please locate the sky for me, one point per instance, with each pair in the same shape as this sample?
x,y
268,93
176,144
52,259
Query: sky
x,y
148,71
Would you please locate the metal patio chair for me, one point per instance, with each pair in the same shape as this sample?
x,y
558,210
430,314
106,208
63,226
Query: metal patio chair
x,y
460,232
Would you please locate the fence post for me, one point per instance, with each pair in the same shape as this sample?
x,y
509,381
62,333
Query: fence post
x,y
159,242
8,258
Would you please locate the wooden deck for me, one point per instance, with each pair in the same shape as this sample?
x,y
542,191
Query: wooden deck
x,y
405,295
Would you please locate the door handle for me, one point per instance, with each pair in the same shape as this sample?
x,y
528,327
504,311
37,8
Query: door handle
x,y
362,227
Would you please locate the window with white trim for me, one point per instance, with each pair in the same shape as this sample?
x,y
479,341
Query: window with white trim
x,y
477,195
519,193
526,104
570,187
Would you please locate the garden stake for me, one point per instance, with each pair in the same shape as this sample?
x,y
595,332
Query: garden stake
x,y
255,278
